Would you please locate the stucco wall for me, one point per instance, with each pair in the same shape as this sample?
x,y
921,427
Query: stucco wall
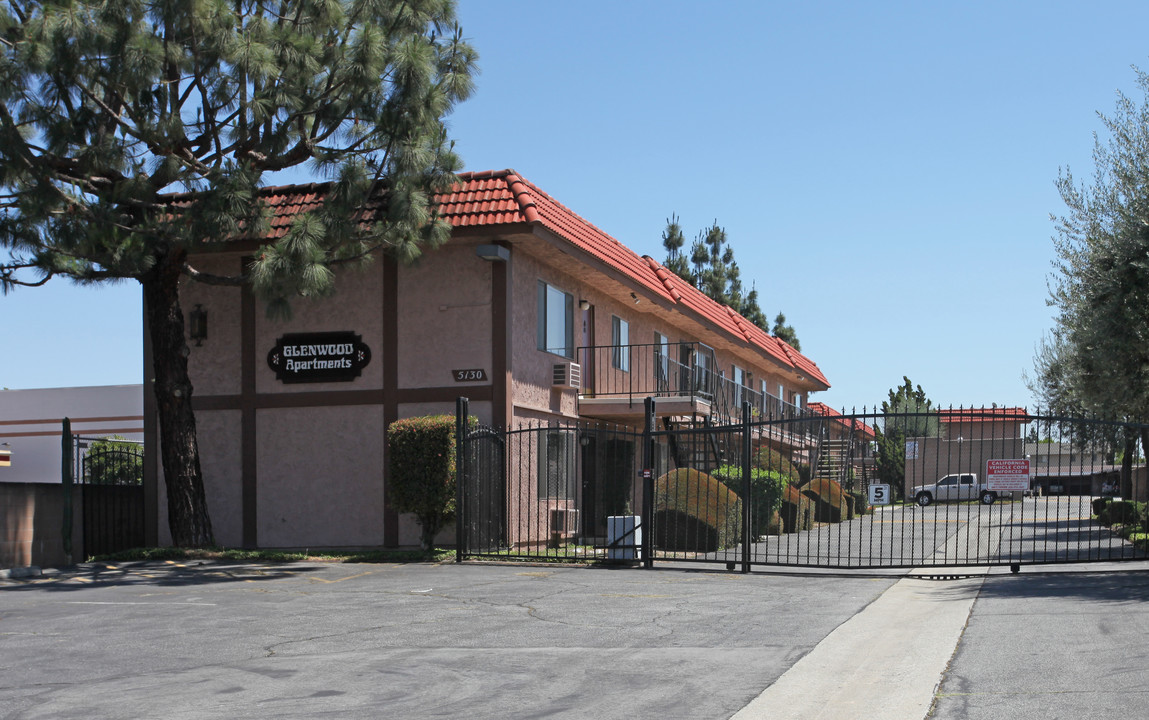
x,y
320,476
444,318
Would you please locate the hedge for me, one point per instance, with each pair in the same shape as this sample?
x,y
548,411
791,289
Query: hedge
x,y
766,490
421,478
695,512
797,510
829,500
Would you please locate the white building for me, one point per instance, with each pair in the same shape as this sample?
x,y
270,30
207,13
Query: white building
x,y
31,423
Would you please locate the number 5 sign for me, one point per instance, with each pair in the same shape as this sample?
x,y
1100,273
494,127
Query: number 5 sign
x,y
880,494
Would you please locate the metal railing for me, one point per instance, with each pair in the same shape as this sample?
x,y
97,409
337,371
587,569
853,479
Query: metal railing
x,y
683,369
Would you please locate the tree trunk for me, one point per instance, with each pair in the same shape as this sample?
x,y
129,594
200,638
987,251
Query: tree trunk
x,y
187,507
1127,466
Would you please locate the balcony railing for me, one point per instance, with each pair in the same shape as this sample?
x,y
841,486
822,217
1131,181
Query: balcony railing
x,y
682,370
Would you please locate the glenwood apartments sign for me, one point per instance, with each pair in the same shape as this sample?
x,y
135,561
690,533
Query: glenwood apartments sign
x,y
318,357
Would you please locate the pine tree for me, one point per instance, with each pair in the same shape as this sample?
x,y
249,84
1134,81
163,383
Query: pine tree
x,y
712,269
108,108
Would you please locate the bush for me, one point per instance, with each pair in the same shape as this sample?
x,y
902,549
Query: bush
x,y
1099,505
767,458
797,510
766,489
829,500
1125,512
421,478
861,503
695,512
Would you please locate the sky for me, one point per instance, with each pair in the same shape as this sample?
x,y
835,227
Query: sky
x,y
885,171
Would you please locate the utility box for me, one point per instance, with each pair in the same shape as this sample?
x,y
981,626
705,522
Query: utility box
x,y
623,537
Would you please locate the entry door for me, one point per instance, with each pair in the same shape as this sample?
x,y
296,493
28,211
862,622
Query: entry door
x,y
587,359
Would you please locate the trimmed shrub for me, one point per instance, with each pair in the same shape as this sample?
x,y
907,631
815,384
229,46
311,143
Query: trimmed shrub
x,y
1099,505
767,458
1125,512
829,500
766,489
421,478
695,512
797,511
861,503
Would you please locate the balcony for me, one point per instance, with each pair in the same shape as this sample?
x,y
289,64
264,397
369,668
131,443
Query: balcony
x,y
617,379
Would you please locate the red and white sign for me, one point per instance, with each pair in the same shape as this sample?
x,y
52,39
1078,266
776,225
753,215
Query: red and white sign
x,y
1007,475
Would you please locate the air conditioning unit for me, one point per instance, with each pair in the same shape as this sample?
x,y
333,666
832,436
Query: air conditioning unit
x,y
568,375
564,521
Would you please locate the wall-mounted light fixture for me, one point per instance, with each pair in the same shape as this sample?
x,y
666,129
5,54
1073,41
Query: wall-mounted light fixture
x,y
635,298
493,253
197,324
584,304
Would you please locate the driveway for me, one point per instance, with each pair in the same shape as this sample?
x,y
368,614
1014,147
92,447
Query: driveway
x,y
215,640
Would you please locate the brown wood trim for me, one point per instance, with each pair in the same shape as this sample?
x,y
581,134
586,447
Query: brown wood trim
x,y
249,430
328,398
56,421
49,433
501,331
390,314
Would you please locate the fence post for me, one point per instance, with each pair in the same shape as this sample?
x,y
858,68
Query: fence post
x,y
462,410
647,523
66,478
746,487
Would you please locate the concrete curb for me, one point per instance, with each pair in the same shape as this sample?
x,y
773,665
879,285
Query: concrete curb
x,y
885,663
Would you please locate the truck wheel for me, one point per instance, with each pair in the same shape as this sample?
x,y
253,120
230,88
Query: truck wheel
x,y
924,498
988,497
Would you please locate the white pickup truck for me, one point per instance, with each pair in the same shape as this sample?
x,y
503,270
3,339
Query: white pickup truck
x,y
957,487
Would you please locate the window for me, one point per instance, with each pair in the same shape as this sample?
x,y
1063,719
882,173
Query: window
x,y
557,463
662,360
739,378
619,340
555,321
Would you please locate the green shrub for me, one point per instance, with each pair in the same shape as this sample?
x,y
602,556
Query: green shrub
x,y
861,503
695,512
766,489
1099,505
797,510
421,478
829,500
1125,512
767,458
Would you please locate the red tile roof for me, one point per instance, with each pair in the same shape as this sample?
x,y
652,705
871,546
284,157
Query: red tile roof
x,y
852,423
983,414
503,197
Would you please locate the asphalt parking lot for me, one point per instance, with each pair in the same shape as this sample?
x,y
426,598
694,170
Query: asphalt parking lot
x,y
217,640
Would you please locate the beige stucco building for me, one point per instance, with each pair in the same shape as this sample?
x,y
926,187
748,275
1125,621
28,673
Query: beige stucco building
x,y
529,310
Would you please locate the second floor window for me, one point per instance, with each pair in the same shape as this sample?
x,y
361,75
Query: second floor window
x,y
556,321
620,339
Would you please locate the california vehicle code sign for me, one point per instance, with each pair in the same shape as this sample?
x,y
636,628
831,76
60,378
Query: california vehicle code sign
x,y
1007,475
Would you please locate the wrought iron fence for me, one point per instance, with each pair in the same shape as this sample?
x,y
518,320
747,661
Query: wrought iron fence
x,y
862,490
109,472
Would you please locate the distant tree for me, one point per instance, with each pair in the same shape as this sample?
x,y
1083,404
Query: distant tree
x,y
908,413
782,331
711,267
108,107
672,241
1097,358
114,461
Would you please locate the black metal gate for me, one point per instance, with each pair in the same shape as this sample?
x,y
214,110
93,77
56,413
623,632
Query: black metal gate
x,y
948,488
110,473
483,510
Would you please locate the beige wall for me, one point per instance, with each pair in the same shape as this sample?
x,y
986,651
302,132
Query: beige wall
x,y
444,317
320,476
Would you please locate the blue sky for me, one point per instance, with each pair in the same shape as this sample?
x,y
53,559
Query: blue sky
x,y
884,171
